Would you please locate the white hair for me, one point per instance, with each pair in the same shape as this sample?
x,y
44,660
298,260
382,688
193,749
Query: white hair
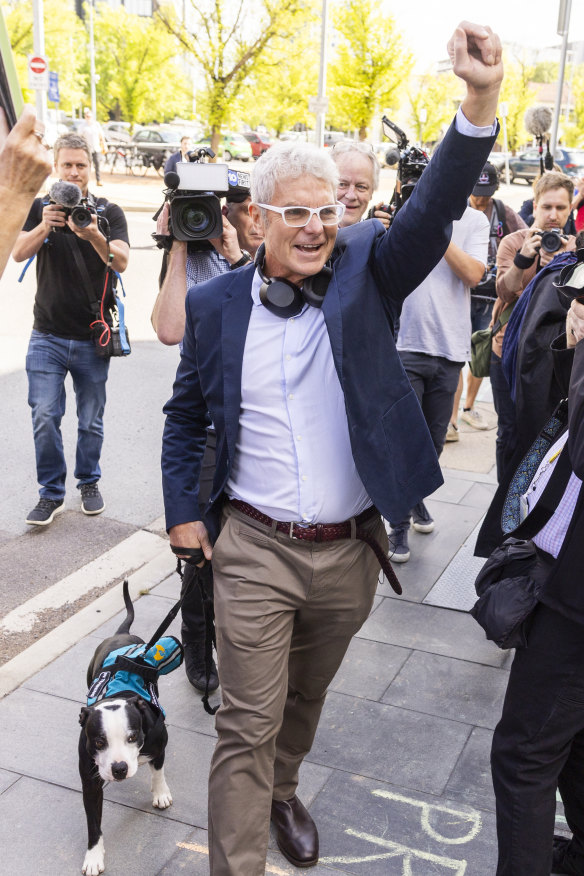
x,y
291,160
344,147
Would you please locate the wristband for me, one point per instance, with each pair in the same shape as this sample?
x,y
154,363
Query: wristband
x,y
523,262
245,258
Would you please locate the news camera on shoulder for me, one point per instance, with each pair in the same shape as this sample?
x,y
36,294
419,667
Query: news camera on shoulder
x,y
193,193
411,161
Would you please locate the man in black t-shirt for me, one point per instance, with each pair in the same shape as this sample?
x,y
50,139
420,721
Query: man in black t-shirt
x,y
61,342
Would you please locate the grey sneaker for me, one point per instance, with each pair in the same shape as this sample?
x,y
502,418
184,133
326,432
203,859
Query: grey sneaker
x,y
91,499
44,513
399,551
422,520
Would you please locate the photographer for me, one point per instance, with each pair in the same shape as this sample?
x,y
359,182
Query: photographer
x,y
186,268
64,310
519,258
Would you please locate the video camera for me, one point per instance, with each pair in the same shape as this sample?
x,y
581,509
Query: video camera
x,y
411,162
69,198
193,192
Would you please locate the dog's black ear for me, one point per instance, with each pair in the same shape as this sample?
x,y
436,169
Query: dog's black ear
x,y
84,715
140,704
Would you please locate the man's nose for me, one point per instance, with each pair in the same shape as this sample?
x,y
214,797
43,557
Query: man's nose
x,y
314,225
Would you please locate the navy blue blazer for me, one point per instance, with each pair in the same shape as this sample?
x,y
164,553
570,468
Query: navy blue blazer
x,y
373,271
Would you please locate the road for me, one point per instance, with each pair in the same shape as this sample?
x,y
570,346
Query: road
x,y
32,560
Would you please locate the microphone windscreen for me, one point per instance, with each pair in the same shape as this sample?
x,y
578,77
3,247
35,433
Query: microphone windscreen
x,y
66,194
171,179
392,156
538,120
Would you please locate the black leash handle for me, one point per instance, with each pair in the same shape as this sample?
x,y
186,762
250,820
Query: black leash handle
x,y
193,557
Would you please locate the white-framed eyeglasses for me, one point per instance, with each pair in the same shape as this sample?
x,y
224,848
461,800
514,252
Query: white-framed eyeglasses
x,y
298,217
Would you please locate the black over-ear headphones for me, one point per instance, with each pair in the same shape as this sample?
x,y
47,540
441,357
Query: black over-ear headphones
x,y
286,299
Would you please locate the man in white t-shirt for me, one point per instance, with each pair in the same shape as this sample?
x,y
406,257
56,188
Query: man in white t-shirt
x,y
434,343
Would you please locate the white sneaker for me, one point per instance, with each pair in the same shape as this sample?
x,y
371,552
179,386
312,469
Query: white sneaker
x,y
452,433
474,419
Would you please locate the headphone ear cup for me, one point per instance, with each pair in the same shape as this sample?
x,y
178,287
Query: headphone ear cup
x,y
314,288
281,297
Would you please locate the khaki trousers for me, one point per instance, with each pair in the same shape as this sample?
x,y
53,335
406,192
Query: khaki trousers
x,y
285,612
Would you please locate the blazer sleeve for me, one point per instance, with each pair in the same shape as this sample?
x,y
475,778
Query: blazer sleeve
x,y
576,412
184,437
420,233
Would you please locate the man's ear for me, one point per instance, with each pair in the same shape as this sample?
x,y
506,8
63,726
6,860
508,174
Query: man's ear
x,y
257,218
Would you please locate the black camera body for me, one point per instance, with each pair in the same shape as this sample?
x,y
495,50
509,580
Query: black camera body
x,y
552,240
411,164
68,197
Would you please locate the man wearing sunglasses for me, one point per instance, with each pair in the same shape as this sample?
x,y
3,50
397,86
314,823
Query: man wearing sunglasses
x,y
318,431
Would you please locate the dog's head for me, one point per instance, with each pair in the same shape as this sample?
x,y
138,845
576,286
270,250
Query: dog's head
x,y
114,734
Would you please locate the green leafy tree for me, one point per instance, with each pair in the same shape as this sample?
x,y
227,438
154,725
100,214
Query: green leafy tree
x,y
65,46
226,42
573,130
369,64
277,93
434,99
136,58
518,96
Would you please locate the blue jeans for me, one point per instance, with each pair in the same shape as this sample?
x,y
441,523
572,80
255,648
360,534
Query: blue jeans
x,y
481,310
48,360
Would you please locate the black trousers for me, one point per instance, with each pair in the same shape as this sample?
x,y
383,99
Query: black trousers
x,y
193,619
538,747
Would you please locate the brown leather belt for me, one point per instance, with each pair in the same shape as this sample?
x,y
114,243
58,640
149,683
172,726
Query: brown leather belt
x,y
319,532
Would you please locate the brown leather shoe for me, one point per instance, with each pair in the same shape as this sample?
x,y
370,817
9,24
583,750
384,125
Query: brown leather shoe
x,y
296,832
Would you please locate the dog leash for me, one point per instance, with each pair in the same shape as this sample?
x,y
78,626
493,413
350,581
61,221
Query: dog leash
x,y
203,578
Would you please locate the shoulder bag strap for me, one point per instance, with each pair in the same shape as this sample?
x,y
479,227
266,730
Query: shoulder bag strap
x,y
82,268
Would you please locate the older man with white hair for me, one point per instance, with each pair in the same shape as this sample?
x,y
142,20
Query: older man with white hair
x,y
318,433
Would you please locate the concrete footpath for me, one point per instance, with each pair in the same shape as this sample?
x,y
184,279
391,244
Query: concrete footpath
x,y
398,779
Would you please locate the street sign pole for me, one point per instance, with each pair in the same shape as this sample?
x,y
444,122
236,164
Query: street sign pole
x,y
38,30
321,113
563,31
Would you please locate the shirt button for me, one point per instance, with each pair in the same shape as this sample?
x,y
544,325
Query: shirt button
x,y
291,395
299,437
291,319
303,477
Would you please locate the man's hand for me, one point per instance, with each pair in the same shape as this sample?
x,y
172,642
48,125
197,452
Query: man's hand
x,y
53,217
575,323
475,52
90,232
191,535
382,215
24,160
227,245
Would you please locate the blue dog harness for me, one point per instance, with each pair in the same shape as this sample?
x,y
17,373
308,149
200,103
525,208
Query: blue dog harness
x,y
135,669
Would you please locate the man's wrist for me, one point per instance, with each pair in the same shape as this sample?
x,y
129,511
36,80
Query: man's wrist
x,y
523,262
243,260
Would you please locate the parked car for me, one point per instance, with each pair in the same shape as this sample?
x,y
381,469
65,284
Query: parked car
x,y
154,145
117,132
230,146
527,166
259,143
332,137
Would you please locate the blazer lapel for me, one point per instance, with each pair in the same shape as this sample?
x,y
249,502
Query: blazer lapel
x,y
235,316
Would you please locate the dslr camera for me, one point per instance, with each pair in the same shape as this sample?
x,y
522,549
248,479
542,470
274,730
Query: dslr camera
x,y
552,240
193,194
69,198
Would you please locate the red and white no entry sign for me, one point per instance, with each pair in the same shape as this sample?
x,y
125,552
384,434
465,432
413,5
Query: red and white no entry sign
x,y
38,64
38,72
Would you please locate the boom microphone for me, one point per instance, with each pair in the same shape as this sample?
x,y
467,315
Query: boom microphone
x,y
538,120
65,194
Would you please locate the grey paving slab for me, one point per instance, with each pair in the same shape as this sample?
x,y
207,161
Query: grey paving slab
x,y
471,779
371,828
455,587
368,668
417,577
7,779
43,832
474,476
449,688
29,719
453,489
480,495
397,745
149,612
454,523
427,628
66,676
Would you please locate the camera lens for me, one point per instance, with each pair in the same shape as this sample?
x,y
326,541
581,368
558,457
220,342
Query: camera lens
x,y
81,217
551,241
196,219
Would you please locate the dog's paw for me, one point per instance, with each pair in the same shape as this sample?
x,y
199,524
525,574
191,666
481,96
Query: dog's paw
x,y
94,862
162,799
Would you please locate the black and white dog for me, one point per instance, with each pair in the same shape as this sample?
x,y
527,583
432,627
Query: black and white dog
x,y
123,723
